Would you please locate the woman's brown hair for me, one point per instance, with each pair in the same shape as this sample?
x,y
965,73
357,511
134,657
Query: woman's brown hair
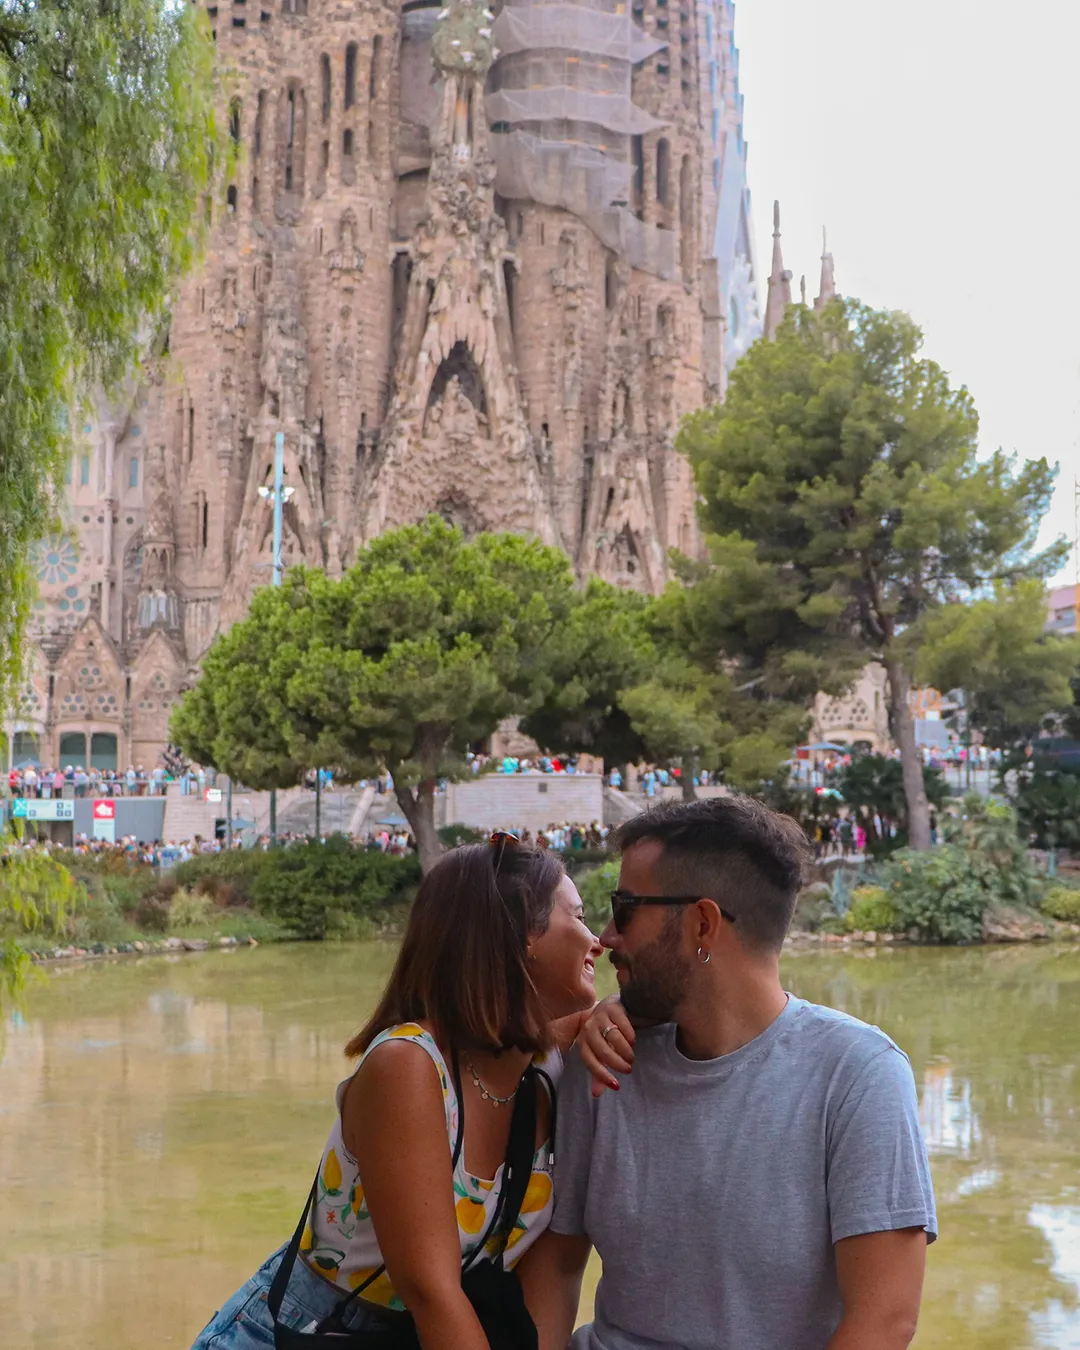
x,y
463,963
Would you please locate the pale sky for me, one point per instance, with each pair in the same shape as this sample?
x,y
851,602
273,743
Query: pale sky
x,y
939,141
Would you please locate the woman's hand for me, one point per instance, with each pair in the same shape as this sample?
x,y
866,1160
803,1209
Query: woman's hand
x,y
606,1043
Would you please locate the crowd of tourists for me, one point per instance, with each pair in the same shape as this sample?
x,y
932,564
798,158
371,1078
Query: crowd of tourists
x,y
76,780
727,1107
73,780
480,763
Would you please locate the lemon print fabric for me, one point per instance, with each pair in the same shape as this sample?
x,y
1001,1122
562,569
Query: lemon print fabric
x,y
471,1215
537,1193
331,1174
340,1243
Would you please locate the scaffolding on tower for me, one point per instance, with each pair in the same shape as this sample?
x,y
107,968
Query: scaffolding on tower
x,y
565,131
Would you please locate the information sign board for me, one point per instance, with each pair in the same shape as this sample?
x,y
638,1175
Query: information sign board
x,y
31,808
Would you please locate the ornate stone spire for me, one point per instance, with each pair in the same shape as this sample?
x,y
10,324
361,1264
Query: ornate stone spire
x,y
827,288
157,603
779,282
455,439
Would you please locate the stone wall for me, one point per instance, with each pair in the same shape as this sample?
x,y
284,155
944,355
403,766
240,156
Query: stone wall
x,y
531,801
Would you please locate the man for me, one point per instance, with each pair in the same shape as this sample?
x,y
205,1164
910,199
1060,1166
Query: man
x,y
759,1181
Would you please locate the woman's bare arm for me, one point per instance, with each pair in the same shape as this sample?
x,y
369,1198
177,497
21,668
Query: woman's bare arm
x,y
394,1124
567,1029
550,1273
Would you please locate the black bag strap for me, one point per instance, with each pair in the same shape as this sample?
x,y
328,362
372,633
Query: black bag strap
x,y
552,1112
517,1170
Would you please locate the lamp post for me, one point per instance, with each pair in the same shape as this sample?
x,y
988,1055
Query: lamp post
x,y
278,495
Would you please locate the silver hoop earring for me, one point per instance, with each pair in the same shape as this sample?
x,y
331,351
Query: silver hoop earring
x,y
704,959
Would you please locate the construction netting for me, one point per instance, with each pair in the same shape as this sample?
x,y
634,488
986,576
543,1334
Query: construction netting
x,y
564,123
565,129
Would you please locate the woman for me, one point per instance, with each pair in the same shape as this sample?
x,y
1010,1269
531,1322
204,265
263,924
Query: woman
x,y
495,972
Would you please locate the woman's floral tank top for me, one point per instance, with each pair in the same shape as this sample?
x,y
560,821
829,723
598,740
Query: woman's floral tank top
x,y
339,1242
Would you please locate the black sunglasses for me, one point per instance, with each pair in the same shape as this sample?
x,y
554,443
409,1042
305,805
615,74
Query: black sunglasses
x,y
623,905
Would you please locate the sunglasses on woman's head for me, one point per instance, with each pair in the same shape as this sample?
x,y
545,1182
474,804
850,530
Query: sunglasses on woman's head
x,y
500,841
623,904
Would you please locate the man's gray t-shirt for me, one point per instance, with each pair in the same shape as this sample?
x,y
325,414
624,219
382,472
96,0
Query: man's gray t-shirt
x,y
714,1190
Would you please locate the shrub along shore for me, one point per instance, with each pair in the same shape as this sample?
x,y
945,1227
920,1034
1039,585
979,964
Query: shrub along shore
x,y
980,885
329,891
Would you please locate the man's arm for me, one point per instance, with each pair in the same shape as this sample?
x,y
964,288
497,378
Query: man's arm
x,y
881,1278
550,1274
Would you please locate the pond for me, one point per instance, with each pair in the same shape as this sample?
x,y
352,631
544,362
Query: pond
x,y
160,1121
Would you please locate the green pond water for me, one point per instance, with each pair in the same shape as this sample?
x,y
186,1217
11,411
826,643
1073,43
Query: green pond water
x,y
160,1121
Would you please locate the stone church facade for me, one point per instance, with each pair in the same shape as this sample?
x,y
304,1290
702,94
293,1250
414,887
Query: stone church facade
x,y
466,263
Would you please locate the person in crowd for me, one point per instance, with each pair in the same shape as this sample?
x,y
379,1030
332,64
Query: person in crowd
x,y
759,1180
496,969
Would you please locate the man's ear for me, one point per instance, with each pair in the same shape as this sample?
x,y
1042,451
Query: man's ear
x,y
709,921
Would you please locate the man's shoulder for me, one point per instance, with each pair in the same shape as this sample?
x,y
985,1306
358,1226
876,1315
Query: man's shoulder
x,y
837,1035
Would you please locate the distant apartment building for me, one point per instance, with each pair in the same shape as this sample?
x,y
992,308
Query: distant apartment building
x,y
1061,605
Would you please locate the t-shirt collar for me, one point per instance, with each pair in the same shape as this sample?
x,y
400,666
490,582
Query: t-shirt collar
x,y
724,1064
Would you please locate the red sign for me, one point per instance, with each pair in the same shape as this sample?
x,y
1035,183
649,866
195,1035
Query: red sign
x,y
105,809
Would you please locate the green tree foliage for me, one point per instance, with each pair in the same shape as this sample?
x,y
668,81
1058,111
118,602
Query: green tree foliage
x,y
633,682
1062,903
106,129
943,895
595,889
1048,806
698,719
418,651
697,708
237,716
331,889
1016,677
602,649
873,785
845,504
36,892
937,895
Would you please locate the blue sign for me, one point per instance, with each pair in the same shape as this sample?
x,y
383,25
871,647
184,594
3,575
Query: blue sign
x,y
18,808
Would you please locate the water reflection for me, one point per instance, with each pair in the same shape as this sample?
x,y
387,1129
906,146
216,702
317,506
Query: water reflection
x,y
993,1037
159,1123
948,1119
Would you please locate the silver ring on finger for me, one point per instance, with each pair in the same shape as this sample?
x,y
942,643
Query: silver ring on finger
x,y
608,1030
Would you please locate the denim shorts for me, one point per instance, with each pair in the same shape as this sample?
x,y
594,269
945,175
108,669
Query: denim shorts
x,y
244,1323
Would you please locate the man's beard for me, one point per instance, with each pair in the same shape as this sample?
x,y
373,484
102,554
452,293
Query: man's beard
x,y
657,976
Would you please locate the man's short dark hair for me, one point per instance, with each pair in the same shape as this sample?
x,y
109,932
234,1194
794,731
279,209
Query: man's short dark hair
x,y
735,850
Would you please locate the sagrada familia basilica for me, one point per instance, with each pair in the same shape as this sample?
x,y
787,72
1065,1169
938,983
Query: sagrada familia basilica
x,y
469,261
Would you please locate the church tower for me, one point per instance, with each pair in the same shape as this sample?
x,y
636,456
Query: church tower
x,y
462,259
